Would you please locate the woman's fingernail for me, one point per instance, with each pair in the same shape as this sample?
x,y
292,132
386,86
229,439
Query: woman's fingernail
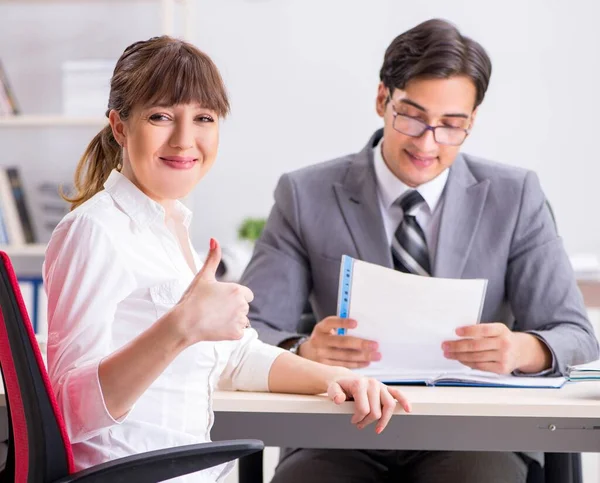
x,y
213,244
379,430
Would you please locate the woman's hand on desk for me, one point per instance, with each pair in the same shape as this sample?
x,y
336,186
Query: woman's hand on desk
x,y
212,310
373,401
495,348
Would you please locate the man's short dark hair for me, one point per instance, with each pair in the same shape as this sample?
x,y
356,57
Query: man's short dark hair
x,y
435,49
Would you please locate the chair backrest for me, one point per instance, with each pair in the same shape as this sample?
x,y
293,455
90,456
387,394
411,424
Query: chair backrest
x,y
38,443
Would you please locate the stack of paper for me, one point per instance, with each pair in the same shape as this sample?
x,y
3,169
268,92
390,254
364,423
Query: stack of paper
x,y
86,85
585,372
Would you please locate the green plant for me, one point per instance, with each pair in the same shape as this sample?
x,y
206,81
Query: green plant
x,y
251,228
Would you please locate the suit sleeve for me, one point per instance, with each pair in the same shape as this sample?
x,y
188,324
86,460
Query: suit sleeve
x,y
279,272
541,284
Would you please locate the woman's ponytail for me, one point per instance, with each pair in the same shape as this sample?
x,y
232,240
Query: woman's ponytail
x,y
102,155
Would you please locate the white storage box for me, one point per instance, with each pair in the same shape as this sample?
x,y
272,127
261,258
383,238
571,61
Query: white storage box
x,y
86,85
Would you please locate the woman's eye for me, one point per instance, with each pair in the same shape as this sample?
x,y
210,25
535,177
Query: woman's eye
x,y
205,119
159,117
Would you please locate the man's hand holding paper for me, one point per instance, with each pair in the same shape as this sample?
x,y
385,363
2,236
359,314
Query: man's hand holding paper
x,y
327,347
495,348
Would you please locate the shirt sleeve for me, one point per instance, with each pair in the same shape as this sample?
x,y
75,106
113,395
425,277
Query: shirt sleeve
x,y
85,278
249,365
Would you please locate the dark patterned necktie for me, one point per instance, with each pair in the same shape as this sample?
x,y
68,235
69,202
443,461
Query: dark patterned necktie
x,y
409,247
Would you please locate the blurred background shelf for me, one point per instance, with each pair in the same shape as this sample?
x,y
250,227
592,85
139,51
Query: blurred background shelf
x,y
29,250
51,121
27,259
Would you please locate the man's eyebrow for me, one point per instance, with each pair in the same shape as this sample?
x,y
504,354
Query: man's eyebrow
x,y
421,108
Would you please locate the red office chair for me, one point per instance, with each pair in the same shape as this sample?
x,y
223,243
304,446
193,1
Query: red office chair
x,y
39,448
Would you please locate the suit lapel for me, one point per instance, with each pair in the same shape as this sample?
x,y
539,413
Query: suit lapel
x,y
464,198
359,204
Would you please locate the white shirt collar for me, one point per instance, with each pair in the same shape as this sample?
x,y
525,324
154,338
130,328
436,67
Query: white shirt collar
x,y
391,188
142,209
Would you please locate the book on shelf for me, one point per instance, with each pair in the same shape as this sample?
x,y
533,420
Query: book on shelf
x,y
10,213
18,192
36,301
3,230
17,226
8,101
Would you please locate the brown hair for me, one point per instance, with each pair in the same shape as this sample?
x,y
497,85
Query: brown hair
x,y
161,70
435,49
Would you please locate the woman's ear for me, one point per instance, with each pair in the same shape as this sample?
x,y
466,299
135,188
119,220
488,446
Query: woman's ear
x,y
382,99
118,127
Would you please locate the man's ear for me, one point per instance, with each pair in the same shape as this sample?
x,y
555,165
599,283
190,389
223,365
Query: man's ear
x,y
473,116
118,127
382,99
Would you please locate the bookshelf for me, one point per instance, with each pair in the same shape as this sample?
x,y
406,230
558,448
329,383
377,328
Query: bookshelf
x,y
176,18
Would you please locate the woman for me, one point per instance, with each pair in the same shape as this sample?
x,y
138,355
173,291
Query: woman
x,y
139,335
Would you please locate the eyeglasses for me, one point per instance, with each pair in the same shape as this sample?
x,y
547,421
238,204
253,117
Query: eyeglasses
x,y
410,126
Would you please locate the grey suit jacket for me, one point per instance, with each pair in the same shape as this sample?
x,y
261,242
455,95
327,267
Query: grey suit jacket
x,y
495,224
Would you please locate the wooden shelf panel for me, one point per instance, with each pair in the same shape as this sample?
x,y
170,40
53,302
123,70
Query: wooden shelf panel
x,y
51,121
30,250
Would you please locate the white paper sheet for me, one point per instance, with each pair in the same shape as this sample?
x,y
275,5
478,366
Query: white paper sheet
x,y
410,316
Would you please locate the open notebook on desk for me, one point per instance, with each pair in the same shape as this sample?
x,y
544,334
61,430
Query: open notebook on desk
x,y
410,316
465,377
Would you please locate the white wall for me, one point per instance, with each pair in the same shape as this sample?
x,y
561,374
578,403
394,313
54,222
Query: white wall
x,y
302,75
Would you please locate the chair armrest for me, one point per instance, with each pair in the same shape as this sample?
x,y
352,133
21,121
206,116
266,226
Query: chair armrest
x,y
164,464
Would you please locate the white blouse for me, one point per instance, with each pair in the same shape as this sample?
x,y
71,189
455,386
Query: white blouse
x,y
112,268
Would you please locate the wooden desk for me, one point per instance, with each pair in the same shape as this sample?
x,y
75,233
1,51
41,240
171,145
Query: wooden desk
x,y
444,418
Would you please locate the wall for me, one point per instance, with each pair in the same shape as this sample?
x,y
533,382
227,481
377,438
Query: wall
x,y
302,75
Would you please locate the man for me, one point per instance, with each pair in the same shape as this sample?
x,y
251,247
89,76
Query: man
x,y
411,201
